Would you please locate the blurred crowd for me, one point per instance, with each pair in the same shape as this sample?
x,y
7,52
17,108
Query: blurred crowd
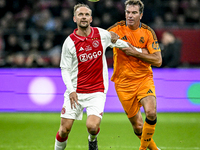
x,y
32,31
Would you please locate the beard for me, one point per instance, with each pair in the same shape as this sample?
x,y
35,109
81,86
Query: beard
x,y
83,26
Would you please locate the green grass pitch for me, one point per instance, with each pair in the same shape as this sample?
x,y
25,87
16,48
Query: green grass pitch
x,y
36,131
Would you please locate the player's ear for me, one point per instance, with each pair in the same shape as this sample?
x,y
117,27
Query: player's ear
x,y
141,16
91,20
74,19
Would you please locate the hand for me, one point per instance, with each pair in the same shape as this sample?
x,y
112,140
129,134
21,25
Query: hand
x,y
73,99
114,37
130,51
145,51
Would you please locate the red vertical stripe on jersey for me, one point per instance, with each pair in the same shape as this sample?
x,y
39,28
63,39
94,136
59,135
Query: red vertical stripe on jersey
x,y
89,51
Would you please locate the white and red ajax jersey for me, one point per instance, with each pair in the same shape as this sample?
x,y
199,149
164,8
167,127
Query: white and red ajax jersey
x,y
83,61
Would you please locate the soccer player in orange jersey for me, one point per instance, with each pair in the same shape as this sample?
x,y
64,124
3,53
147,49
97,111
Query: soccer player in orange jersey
x,y
133,74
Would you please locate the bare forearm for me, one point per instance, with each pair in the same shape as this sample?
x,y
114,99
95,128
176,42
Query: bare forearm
x,y
154,59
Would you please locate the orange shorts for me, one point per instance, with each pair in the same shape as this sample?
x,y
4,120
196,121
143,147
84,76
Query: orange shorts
x,y
132,92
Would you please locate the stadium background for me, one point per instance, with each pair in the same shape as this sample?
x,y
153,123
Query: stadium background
x,y
32,33
31,88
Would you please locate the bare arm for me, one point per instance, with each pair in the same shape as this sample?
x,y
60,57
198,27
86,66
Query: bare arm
x,y
154,59
114,37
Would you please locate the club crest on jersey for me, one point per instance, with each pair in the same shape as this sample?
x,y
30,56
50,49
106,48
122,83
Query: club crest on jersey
x,y
63,110
95,43
142,40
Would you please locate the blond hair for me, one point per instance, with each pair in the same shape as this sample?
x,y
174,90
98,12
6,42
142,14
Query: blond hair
x,y
135,2
81,5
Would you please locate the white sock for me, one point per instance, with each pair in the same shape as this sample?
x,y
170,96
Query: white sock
x,y
91,137
60,145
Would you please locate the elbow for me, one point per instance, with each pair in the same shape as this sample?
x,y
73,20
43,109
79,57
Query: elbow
x,y
158,63
157,60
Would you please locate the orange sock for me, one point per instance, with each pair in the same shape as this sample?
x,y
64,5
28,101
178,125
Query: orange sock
x,y
152,144
147,133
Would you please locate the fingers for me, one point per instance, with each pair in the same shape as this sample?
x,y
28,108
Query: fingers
x,y
73,104
130,45
76,101
125,48
73,100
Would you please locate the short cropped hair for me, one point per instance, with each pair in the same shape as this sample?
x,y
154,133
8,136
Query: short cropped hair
x,y
135,2
81,5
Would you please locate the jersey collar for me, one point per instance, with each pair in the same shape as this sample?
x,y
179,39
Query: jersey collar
x,y
82,38
139,25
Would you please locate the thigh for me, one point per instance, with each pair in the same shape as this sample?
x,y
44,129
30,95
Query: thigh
x,y
128,99
69,113
95,104
147,96
149,103
147,88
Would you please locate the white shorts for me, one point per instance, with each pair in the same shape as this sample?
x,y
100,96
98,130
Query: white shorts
x,y
93,102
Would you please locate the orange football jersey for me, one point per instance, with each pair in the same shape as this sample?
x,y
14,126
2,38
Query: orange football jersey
x,y
128,68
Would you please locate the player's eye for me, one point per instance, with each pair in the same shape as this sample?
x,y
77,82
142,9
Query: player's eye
x,y
80,14
87,14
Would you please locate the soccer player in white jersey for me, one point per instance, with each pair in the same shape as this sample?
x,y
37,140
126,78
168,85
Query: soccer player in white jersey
x,y
84,72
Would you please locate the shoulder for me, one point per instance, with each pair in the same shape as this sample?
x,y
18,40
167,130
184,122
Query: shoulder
x,y
100,29
146,27
103,32
68,42
149,30
68,39
117,25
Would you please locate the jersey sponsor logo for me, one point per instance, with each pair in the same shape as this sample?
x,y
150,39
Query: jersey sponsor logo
x,y
95,43
85,57
88,48
155,45
142,40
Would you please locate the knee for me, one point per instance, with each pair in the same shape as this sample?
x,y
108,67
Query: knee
x,y
64,131
137,126
151,114
92,128
137,122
